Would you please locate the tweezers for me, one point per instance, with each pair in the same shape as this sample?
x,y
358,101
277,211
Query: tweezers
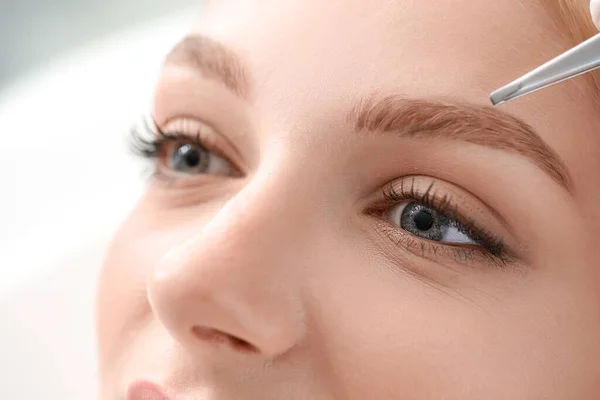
x,y
582,58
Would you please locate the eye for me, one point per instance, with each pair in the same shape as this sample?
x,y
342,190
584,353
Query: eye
x,y
427,223
429,216
185,147
193,158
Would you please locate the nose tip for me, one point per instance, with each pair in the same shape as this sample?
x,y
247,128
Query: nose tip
x,y
207,307
236,282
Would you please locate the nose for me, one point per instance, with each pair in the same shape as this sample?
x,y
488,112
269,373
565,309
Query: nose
x,y
233,288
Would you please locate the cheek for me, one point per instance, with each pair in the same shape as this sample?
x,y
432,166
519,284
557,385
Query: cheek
x,y
123,309
382,330
122,303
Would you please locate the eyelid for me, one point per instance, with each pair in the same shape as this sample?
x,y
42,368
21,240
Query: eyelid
x,y
210,138
445,255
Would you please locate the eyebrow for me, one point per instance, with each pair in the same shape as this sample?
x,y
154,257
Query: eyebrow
x,y
481,125
213,60
414,118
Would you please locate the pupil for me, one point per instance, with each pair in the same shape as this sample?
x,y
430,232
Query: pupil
x,y
190,155
423,220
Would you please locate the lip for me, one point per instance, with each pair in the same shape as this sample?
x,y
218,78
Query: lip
x,y
146,390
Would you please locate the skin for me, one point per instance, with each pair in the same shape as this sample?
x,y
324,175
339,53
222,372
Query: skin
x,y
293,288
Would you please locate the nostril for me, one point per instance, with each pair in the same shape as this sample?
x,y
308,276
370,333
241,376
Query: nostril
x,y
215,336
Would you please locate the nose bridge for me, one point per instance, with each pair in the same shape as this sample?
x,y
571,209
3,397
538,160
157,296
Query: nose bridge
x,y
265,219
240,276
267,206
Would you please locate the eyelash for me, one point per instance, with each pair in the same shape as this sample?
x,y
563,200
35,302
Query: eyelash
x,y
491,246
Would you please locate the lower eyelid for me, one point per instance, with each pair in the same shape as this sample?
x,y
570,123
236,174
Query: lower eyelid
x,y
437,252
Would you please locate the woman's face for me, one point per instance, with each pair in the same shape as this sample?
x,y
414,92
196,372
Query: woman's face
x,y
337,213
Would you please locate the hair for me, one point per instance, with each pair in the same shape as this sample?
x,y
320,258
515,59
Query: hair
x,y
575,20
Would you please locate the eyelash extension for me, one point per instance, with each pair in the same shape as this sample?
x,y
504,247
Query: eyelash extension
x,y
492,246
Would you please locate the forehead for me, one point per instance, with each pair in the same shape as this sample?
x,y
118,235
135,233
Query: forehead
x,y
416,47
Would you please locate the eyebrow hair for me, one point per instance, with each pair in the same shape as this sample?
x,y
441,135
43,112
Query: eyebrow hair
x,y
481,125
213,60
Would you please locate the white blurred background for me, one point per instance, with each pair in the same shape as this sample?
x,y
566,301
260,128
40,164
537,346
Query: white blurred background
x,y
35,31
74,76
